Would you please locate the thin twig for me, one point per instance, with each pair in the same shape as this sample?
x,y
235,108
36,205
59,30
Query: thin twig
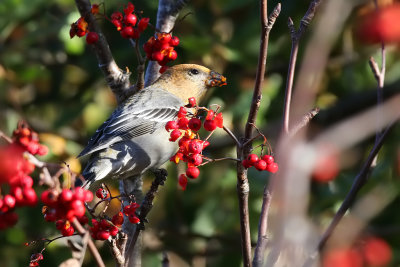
x,y
262,230
358,183
295,36
304,121
91,245
116,79
232,135
5,137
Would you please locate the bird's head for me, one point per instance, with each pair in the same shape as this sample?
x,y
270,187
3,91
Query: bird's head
x,y
190,80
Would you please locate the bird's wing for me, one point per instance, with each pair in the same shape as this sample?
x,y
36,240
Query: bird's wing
x,y
142,114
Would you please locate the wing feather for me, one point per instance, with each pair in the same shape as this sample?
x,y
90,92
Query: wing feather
x,y
141,114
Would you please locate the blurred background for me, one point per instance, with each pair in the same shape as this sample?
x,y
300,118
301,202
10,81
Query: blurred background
x,y
53,82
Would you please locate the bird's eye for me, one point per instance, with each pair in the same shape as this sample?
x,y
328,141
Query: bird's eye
x,y
194,71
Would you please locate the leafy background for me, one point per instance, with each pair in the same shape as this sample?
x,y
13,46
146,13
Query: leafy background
x,y
54,83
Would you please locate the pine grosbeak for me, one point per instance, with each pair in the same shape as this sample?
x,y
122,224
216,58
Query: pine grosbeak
x,y
134,139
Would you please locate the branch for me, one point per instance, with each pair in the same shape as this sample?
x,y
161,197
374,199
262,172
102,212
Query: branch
x,y
305,121
243,151
295,36
168,11
91,245
358,183
147,204
116,79
259,251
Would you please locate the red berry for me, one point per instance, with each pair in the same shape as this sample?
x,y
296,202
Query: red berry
x,y
163,69
9,201
118,219
210,114
79,193
174,41
193,172
130,19
195,146
377,252
219,120
182,112
157,56
171,125
183,123
43,150
143,23
10,218
67,230
252,158
246,163
133,218
206,144
78,208
172,55
192,102
102,193
129,8
26,181
196,159
60,224
113,230
164,38
117,24
30,197
268,159
127,32
175,134
91,38
16,192
88,196
210,125
66,196
273,167
117,16
182,180
194,124
260,165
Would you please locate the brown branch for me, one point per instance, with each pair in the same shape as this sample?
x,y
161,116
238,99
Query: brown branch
x,y
116,79
295,36
259,251
358,183
91,245
243,151
147,204
232,135
5,137
168,11
116,251
304,121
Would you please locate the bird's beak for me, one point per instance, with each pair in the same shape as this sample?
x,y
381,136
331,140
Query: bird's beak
x,y
215,79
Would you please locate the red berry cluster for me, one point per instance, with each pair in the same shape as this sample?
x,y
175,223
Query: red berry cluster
x,y
65,206
161,48
80,28
186,128
15,170
264,163
130,212
372,251
102,229
35,258
29,140
127,23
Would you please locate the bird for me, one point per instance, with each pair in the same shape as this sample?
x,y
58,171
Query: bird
x,y
133,139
